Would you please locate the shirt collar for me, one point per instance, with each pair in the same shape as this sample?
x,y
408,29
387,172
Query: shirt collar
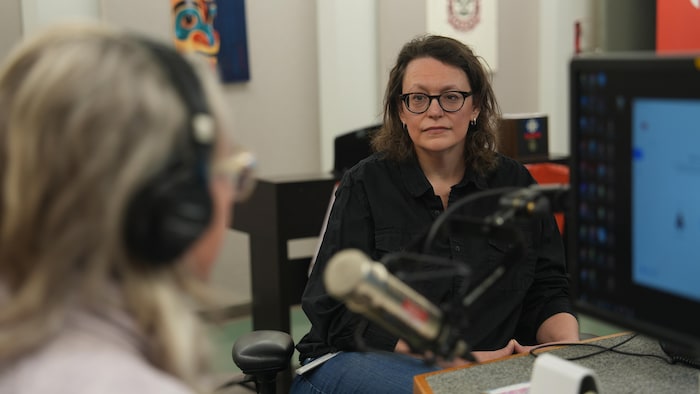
x,y
471,177
417,184
413,177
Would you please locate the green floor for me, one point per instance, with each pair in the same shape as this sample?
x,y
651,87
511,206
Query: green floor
x,y
224,336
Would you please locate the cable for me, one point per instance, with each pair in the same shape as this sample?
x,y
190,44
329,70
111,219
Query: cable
x,y
441,220
491,226
441,268
603,349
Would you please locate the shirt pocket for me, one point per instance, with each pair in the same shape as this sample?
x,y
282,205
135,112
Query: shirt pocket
x,y
519,274
411,269
388,241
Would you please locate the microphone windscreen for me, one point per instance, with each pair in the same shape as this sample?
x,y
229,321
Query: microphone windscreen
x,y
344,273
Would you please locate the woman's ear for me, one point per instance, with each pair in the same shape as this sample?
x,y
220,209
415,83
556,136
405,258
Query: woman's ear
x,y
402,115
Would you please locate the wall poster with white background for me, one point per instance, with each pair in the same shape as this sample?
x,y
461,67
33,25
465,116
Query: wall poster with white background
x,y
474,22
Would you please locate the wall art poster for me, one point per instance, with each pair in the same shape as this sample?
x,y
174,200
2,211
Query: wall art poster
x,y
215,29
474,22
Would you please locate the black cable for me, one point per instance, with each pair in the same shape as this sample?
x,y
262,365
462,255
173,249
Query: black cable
x,y
603,349
441,220
489,226
403,259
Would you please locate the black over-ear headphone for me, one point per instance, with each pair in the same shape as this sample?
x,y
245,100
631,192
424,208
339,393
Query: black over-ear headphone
x,y
173,208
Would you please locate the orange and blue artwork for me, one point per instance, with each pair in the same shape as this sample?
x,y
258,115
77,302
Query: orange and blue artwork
x,y
216,30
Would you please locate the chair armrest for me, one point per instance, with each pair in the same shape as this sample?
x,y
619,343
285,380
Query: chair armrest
x,y
263,351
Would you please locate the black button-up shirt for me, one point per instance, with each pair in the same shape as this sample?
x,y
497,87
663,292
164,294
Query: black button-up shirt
x,y
382,207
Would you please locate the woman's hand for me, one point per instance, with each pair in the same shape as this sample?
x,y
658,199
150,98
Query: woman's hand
x,y
402,347
513,347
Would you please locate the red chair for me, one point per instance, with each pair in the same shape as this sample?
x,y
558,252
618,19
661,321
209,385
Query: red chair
x,y
549,173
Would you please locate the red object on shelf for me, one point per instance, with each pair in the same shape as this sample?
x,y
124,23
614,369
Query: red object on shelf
x,y
677,26
577,37
548,173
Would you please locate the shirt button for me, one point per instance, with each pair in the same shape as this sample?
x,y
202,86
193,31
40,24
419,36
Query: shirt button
x,y
436,212
458,248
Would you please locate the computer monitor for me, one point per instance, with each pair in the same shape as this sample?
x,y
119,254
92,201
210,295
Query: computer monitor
x,y
634,235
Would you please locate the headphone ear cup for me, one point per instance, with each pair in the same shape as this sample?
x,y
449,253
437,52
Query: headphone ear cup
x,y
166,217
174,208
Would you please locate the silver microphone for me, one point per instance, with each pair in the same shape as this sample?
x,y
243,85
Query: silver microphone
x,y
369,289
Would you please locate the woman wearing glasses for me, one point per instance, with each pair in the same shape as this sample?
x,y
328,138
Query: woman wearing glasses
x,y
117,181
435,148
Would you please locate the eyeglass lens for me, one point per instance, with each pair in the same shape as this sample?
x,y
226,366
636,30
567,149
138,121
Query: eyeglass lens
x,y
448,101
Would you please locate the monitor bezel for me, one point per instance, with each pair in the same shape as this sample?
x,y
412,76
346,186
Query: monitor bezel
x,y
662,315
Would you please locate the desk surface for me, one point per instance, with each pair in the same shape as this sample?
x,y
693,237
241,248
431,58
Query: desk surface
x,y
616,373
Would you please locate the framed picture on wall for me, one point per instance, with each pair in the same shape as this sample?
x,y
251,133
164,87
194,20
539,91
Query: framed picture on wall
x,y
233,51
215,29
473,22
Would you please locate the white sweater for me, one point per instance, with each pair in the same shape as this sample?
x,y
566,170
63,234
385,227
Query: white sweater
x,y
92,354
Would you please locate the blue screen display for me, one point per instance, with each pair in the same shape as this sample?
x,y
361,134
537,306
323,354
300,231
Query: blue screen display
x,y
666,195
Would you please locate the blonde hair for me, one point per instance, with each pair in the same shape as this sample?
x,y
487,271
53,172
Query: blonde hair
x,y
86,117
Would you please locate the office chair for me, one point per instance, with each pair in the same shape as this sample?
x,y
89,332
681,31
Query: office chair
x,y
261,355
348,149
351,147
550,173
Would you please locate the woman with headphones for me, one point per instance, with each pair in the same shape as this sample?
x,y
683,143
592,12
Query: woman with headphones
x,y
117,180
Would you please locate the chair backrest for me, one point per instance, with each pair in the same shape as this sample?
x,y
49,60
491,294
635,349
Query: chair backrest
x,y
351,147
548,173
348,150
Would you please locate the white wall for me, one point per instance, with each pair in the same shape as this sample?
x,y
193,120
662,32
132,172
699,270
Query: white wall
x,y
515,82
347,71
318,69
535,40
275,113
10,25
39,13
283,61
394,31
556,37
146,17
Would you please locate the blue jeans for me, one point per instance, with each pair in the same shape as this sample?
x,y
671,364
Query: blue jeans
x,y
356,372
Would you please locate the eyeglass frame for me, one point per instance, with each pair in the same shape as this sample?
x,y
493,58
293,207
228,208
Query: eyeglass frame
x,y
241,167
404,98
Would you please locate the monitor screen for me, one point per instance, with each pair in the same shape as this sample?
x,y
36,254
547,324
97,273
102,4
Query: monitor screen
x,y
634,235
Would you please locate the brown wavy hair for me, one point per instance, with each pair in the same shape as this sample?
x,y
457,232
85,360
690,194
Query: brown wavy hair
x,y
480,143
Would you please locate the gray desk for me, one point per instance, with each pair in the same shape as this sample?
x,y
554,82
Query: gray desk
x,y
616,373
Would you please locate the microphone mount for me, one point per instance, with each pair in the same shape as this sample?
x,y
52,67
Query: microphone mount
x,y
514,203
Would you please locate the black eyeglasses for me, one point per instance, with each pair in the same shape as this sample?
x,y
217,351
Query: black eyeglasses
x,y
451,101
